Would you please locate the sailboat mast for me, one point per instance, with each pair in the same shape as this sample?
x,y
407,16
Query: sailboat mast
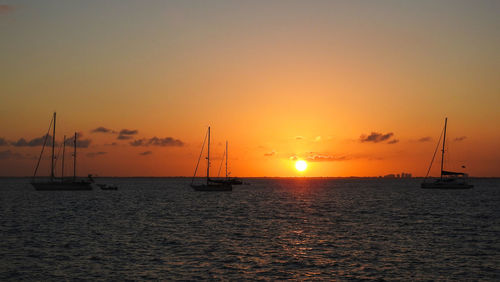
x,y
442,151
226,158
208,156
62,169
74,159
53,144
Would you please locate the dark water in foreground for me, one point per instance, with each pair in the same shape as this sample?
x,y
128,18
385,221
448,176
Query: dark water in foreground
x,y
271,229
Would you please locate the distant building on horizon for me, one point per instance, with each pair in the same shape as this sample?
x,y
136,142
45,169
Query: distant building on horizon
x,y
405,175
402,175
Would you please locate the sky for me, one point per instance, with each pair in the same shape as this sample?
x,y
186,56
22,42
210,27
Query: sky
x,y
355,88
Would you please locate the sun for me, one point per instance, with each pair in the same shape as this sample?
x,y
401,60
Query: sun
x,y
301,165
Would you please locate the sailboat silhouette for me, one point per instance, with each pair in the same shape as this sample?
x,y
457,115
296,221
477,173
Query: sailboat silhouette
x,y
62,184
448,179
210,185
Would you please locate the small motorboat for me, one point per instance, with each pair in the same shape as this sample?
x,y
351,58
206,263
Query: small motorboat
x,y
107,186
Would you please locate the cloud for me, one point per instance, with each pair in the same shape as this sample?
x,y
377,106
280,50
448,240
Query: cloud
x,y
139,142
33,142
270,154
128,132
4,9
80,143
168,141
393,141
327,158
125,134
23,143
376,137
8,154
124,137
299,137
111,144
155,141
425,139
461,138
102,129
145,153
95,154
3,142
317,139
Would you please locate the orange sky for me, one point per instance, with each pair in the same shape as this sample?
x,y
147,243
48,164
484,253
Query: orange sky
x,y
276,80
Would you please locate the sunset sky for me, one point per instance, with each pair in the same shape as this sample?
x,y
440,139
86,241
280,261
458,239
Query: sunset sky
x,y
355,88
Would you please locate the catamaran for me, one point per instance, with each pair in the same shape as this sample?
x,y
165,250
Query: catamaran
x,y
210,185
62,184
448,179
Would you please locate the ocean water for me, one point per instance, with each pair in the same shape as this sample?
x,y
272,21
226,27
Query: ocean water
x,y
160,229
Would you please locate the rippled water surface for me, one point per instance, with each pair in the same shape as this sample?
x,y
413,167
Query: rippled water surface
x,y
271,229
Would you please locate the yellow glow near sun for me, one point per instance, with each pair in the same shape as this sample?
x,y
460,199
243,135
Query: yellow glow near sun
x,y
300,165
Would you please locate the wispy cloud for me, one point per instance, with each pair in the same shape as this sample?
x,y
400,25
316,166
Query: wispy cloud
x,y
95,154
124,137
328,158
393,141
461,138
129,132
155,141
38,141
102,129
270,154
167,141
425,139
80,143
126,134
3,142
376,137
145,153
299,137
139,142
33,142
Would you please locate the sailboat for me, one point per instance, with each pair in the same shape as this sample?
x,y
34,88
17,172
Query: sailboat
x,y
227,179
448,179
62,184
210,185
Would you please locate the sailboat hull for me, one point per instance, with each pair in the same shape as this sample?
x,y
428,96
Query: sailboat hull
x,y
235,181
62,186
212,187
